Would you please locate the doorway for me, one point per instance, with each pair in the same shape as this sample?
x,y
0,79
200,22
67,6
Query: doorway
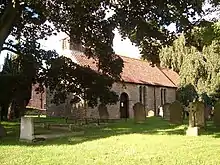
x,y
124,105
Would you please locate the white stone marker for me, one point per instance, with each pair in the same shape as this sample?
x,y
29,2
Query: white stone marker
x,y
192,131
27,129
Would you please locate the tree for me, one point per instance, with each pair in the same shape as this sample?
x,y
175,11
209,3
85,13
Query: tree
x,y
199,69
186,94
144,22
15,86
6,81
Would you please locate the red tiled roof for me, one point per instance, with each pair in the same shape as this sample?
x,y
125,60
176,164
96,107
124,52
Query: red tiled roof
x,y
172,75
134,71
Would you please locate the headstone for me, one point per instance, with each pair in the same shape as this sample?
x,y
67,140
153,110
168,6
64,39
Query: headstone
x,y
176,112
166,111
27,129
103,111
196,114
2,131
192,110
139,113
200,114
150,113
185,112
208,110
216,117
161,111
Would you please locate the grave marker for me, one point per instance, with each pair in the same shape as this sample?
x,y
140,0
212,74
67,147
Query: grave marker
x,y
139,113
176,112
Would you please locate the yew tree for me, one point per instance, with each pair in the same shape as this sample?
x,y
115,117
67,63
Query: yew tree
x,y
23,23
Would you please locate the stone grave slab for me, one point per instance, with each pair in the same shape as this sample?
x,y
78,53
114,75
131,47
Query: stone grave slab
x,y
200,114
216,117
176,112
150,113
139,113
27,129
166,111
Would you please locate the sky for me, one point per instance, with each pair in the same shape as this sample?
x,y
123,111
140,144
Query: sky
x,y
121,47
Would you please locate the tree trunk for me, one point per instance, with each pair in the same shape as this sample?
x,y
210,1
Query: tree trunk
x,y
3,112
11,109
2,131
0,114
7,20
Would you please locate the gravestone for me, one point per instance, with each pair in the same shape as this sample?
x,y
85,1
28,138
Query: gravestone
x,y
192,110
103,111
150,113
197,114
176,112
208,109
27,129
192,130
166,111
161,111
200,114
216,117
196,118
139,113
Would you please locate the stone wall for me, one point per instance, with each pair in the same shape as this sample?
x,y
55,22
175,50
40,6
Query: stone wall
x,y
151,105
132,91
114,110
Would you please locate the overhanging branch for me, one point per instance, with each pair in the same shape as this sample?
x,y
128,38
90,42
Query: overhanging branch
x,y
11,50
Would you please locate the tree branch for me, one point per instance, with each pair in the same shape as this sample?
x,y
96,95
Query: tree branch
x,y
7,20
9,49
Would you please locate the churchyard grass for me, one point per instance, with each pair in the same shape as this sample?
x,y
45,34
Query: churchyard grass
x,y
153,142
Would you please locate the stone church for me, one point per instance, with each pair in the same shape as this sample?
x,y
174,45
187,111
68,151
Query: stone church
x,y
152,86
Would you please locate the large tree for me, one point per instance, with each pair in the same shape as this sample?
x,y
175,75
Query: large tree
x,y
197,65
88,22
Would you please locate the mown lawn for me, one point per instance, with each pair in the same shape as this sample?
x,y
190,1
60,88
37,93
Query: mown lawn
x,y
153,142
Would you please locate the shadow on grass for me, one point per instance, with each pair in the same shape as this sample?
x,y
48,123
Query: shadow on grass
x,y
152,126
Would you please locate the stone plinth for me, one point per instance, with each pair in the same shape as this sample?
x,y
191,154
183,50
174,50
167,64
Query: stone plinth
x,y
27,129
192,131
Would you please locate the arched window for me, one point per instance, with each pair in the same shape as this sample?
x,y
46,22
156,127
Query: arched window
x,y
144,96
163,96
140,94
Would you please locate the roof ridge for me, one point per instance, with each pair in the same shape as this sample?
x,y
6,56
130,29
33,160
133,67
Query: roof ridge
x,y
135,71
167,75
137,59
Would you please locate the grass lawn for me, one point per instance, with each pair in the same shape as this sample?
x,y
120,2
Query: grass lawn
x,y
153,142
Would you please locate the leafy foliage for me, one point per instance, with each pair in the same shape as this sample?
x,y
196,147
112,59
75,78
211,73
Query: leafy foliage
x,y
186,94
199,69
